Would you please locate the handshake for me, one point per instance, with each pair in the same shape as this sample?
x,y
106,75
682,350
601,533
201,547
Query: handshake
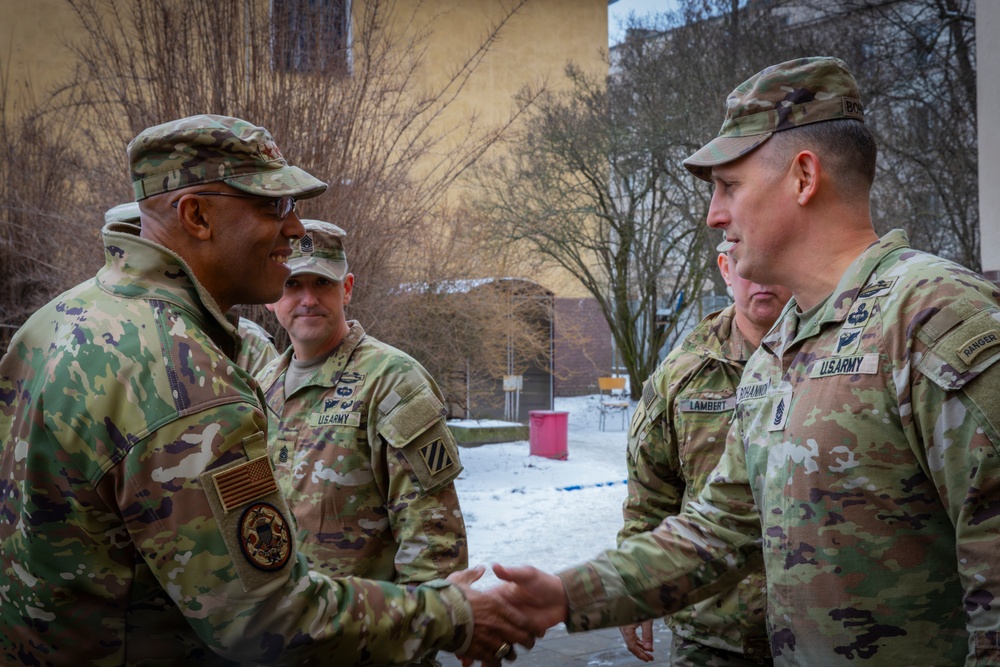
x,y
517,611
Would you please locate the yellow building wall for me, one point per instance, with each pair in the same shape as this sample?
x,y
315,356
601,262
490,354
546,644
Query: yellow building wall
x,y
535,46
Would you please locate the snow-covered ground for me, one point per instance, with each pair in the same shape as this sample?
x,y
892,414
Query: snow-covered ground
x,y
530,510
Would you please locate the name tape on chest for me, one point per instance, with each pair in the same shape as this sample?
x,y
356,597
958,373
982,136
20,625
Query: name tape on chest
x,y
865,364
707,405
752,392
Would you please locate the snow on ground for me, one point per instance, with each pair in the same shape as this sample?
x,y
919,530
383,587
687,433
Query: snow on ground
x,y
530,510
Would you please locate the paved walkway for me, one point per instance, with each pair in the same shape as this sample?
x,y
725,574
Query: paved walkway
x,y
598,648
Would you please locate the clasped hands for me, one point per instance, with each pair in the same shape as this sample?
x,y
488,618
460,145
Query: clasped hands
x,y
518,611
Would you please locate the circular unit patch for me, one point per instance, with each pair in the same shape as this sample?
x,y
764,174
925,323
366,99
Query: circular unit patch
x,y
264,537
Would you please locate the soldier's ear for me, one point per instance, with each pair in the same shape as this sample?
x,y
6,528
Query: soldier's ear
x,y
192,213
806,170
348,287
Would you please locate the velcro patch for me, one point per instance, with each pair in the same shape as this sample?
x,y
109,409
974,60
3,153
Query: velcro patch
x,y
975,346
436,456
865,364
244,483
707,405
264,537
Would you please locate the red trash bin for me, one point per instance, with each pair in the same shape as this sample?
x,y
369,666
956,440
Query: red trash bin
x,y
547,433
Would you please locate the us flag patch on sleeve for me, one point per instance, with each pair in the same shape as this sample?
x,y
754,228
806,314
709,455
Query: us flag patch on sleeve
x,y
436,456
245,482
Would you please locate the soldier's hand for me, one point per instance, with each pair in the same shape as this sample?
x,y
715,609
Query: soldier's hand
x,y
639,639
497,624
540,595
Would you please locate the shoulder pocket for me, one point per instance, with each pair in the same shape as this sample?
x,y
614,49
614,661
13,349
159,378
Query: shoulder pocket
x,y
416,427
962,342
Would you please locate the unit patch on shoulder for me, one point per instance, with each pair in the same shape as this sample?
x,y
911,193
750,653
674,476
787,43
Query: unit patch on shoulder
x,y
245,482
436,456
877,288
264,537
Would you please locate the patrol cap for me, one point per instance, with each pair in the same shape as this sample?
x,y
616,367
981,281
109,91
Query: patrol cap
x,y
128,212
320,251
780,97
209,149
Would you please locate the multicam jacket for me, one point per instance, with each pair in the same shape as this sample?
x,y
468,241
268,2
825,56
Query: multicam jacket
x,y
868,433
140,521
362,452
256,347
677,436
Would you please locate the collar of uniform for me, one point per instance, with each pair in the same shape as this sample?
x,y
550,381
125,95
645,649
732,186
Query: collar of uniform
x,y
838,305
272,378
717,337
137,268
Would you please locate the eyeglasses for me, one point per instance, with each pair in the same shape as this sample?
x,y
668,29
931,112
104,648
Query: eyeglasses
x,y
282,205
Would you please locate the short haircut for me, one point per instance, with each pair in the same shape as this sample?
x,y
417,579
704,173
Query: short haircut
x,y
846,147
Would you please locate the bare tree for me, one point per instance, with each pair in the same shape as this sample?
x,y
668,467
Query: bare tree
x,y
595,184
349,105
915,63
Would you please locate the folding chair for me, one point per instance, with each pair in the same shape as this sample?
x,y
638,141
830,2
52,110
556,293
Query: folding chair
x,y
612,401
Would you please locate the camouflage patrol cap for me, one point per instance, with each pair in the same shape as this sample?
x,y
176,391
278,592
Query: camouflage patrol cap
x,y
780,97
208,149
320,251
128,212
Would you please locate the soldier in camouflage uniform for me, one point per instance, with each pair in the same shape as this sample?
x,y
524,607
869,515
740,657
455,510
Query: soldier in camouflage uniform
x,y
357,434
864,456
677,436
256,343
140,520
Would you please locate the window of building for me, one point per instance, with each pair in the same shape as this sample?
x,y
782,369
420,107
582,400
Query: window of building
x,y
311,35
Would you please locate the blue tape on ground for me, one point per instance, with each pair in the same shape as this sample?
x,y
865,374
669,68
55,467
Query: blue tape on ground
x,y
577,487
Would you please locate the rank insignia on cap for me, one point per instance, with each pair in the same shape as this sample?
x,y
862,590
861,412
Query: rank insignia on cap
x,y
247,481
306,246
264,537
436,456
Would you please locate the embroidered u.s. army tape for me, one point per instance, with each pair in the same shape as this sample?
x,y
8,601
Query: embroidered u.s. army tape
x,y
335,419
245,482
864,364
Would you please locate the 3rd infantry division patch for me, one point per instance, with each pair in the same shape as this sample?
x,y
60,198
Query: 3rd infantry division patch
x,y
436,456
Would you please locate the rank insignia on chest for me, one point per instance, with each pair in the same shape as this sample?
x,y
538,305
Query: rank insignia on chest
x,y
436,456
779,412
